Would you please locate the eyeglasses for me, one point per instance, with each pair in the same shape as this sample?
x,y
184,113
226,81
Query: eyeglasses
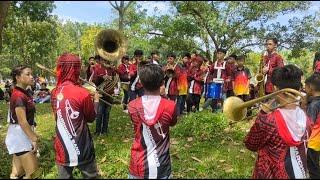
x,y
268,44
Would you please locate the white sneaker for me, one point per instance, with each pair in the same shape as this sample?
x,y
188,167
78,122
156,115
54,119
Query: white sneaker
x,y
200,109
125,111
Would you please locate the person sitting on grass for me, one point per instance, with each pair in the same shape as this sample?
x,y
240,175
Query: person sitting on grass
x,y
43,95
151,115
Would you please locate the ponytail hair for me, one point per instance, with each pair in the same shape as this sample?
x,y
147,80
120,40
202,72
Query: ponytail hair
x,y
17,72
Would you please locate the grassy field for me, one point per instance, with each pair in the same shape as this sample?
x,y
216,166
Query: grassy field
x,y
202,146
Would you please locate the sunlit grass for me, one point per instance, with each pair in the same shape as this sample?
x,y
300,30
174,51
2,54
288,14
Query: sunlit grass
x,y
202,146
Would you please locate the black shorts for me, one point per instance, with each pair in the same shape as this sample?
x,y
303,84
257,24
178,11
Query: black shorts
x,y
21,153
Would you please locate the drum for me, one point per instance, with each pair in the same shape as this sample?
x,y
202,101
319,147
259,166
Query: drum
x,y
214,90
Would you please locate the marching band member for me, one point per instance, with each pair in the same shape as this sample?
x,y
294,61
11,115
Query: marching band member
x,y
123,71
21,140
155,57
241,79
207,80
230,67
271,60
280,136
171,88
135,87
73,109
152,117
103,72
218,71
195,83
90,68
312,85
316,62
182,82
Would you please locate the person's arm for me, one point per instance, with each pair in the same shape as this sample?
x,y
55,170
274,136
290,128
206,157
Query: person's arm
x,y
88,109
22,120
258,135
174,117
280,62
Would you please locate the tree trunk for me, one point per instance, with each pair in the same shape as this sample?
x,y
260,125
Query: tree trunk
x,y
4,6
121,17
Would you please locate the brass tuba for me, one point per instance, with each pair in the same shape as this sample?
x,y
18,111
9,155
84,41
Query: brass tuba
x,y
111,45
236,110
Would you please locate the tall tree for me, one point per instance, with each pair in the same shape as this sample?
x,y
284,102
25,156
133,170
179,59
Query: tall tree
x,y
237,25
121,7
4,6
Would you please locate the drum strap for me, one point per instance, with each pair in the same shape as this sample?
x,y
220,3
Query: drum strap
x,y
168,85
133,86
191,86
219,69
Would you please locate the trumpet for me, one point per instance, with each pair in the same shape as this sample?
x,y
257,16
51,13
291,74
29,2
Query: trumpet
x,y
236,110
170,69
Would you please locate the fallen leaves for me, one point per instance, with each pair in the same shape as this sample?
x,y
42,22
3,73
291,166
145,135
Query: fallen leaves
x,y
189,139
103,159
174,142
196,159
242,151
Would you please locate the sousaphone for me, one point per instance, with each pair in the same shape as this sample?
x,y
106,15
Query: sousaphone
x,y
111,45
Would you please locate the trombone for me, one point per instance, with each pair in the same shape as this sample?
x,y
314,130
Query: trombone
x,y
235,109
53,73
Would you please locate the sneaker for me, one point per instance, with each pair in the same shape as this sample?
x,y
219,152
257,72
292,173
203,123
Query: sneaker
x,y
125,111
200,109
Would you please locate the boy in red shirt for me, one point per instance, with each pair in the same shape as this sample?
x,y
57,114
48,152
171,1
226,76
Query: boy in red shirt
x,y
152,116
313,111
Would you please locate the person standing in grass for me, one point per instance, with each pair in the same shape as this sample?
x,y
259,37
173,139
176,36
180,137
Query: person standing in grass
x,y
280,137
21,140
152,116
73,143
313,111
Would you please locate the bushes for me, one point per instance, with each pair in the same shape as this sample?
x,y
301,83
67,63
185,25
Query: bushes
x,y
203,125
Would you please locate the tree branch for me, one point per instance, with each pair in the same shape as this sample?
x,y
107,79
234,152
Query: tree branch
x,y
250,44
154,33
115,6
126,7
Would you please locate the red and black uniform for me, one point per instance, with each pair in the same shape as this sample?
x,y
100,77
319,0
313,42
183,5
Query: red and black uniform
x,y
123,71
280,138
317,66
313,111
17,141
272,61
135,87
73,109
21,98
89,71
150,157
230,68
195,86
171,85
103,114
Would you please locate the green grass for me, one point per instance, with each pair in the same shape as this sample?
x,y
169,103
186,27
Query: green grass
x,y
202,146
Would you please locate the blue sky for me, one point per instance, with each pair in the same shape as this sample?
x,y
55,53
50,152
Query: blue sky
x,y
98,11
101,11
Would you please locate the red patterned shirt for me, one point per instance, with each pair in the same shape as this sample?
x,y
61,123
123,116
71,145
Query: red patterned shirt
x,y
150,156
